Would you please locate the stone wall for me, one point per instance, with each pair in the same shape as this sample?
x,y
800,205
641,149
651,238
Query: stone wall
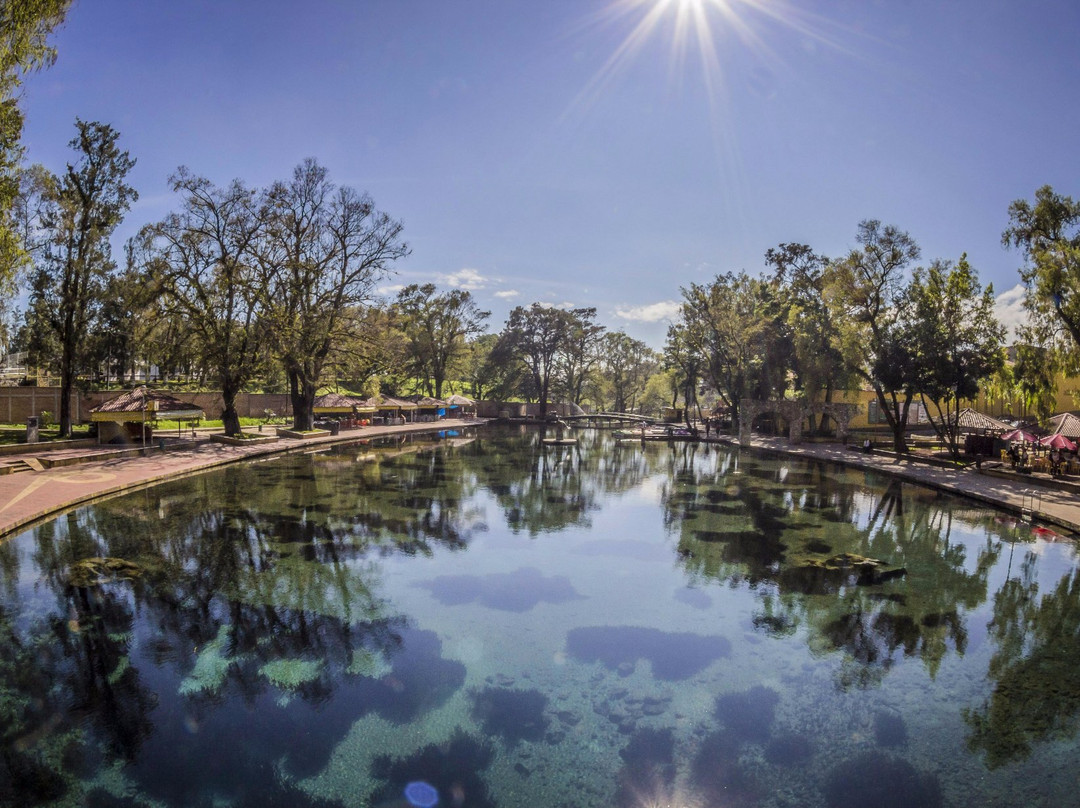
x,y
18,403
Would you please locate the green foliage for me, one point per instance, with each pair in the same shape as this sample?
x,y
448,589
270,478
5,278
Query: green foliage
x,y
25,26
437,327
958,340
78,214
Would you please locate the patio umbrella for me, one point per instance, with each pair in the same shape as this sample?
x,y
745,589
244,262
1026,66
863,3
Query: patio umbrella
x,y
1058,442
1018,434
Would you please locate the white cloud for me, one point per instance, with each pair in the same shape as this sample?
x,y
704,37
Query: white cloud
x,y
650,313
508,294
392,289
468,279
1009,309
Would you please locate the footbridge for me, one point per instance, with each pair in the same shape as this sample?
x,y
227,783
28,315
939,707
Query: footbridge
x,y
607,420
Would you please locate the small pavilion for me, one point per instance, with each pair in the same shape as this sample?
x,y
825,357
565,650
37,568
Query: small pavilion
x,y
341,406
460,407
131,416
428,408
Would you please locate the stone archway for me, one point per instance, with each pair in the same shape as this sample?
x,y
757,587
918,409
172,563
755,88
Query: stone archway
x,y
794,411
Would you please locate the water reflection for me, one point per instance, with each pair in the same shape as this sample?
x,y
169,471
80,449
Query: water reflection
x,y
508,623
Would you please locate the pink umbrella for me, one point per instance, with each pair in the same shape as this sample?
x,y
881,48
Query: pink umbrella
x,y
1018,434
1058,441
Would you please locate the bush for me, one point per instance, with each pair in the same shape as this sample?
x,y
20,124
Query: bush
x,y
45,420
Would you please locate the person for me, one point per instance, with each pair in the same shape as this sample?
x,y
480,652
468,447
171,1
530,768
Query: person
x,y
707,427
867,446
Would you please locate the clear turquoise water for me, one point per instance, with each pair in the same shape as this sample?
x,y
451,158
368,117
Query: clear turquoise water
x,y
483,621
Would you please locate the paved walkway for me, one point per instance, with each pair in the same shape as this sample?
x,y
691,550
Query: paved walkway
x,y
30,497
1054,502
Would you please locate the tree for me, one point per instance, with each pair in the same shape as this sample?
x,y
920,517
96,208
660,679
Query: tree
x,y
734,325
321,252
579,353
626,366
80,211
202,261
438,327
535,336
817,365
867,291
1049,233
958,338
25,26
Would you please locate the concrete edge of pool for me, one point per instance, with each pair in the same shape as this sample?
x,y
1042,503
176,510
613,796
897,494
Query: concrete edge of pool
x,y
31,498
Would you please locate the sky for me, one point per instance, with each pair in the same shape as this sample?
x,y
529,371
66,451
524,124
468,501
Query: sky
x,y
598,153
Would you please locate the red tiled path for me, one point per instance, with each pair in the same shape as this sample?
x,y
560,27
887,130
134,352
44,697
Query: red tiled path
x,y
29,497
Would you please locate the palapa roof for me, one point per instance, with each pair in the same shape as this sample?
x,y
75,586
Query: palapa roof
x,y
1066,424
460,401
339,402
971,419
390,403
426,402
142,401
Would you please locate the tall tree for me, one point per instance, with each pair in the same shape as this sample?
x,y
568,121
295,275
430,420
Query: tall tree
x,y
535,335
1049,233
734,325
868,290
438,327
958,338
202,262
626,366
80,211
579,354
321,252
25,26
817,366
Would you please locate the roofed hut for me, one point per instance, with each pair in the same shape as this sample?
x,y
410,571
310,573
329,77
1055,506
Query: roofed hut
x,y
460,407
131,416
1066,424
343,407
393,410
428,408
969,420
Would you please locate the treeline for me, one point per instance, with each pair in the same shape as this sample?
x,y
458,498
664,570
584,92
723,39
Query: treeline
x,y
276,288
875,319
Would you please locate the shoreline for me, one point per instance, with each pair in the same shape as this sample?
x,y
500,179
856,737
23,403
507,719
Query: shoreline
x,y
81,476
85,475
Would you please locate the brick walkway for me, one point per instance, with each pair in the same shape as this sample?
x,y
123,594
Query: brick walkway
x,y
29,497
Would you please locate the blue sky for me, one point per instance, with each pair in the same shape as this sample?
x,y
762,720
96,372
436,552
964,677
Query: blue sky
x,y
541,151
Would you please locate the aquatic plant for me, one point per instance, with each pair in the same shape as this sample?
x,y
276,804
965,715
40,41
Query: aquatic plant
x,y
211,666
291,674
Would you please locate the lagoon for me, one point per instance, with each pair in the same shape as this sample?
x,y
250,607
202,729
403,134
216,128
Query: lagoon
x,y
477,619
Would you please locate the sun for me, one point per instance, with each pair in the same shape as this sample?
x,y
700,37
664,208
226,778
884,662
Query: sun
x,y
712,32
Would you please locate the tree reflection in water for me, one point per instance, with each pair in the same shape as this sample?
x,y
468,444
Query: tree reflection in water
x,y
254,608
